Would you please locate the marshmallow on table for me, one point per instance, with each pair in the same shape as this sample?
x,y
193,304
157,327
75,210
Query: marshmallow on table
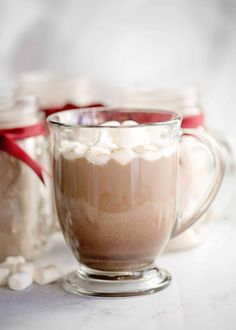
x,y
15,259
20,281
12,262
4,274
27,267
24,273
46,275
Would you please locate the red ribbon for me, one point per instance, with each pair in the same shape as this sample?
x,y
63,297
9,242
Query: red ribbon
x,y
9,136
193,121
69,106
8,144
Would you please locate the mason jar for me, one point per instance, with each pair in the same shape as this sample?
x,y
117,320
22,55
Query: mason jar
x,y
55,92
26,209
195,168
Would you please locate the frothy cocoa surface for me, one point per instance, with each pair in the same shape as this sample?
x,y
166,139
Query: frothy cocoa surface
x,y
116,216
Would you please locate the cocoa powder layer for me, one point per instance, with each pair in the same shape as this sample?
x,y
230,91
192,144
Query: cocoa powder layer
x,y
113,216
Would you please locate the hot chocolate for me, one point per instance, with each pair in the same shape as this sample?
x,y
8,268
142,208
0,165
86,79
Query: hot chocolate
x,y
117,205
116,187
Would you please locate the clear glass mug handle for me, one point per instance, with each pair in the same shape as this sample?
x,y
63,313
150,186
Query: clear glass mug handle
x,y
182,224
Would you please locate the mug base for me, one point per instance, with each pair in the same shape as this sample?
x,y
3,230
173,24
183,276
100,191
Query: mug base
x,y
92,282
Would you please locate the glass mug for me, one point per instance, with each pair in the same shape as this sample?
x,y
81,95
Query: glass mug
x,y
116,191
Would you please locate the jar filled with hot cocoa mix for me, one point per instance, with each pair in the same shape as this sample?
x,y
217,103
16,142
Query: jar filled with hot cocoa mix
x,y
57,91
195,167
25,189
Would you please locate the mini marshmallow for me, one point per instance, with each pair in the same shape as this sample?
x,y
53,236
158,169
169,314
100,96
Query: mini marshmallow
x,y
169,151
129,123
46,275
12,262
15,260
139,149
27,267
105,141
111,123
113,132
88,136
77,151
68,145
152,153
20,281
127,137
80,149
161,135
4,274
123,155
98,156
131,137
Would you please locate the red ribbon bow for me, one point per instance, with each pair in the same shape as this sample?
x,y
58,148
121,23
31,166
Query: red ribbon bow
x,y
7,144
10,135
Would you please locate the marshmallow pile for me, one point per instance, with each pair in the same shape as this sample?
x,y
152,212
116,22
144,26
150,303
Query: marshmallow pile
x,y
120,142
20,275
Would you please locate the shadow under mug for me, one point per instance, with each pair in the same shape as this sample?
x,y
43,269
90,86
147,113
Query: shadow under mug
x,y
116,190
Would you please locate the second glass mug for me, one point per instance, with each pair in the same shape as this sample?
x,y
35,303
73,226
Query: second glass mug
x,y
116,191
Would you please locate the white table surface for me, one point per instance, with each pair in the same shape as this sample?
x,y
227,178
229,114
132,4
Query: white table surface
x,y
202,294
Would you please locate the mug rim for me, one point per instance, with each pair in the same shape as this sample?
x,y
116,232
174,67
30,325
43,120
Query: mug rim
x,y
51,119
